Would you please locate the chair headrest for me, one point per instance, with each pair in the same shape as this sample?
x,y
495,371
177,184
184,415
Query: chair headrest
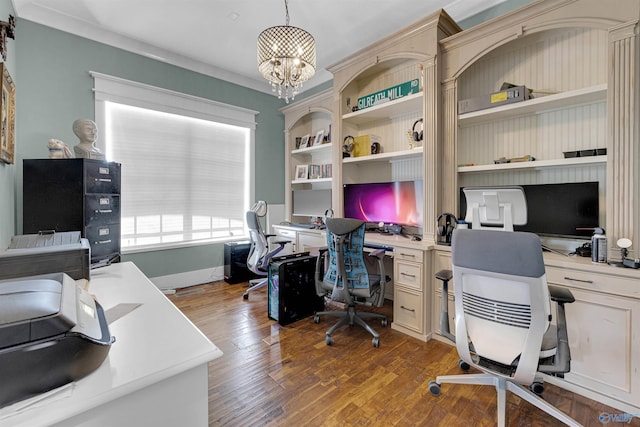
x,y
252,221
343,226
515,253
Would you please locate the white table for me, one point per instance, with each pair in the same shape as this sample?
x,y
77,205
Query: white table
x,y
155,374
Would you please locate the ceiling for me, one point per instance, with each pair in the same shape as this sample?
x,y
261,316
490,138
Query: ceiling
x,y
218,37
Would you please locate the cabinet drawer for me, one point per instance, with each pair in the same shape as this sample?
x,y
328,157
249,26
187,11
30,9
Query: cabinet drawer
x,y
104,239
102,209
285,234
589,280
408,309
408,274
404,254
102,177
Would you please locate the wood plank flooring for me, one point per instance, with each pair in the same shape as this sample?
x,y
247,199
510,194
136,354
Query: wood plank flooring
x,y
272,375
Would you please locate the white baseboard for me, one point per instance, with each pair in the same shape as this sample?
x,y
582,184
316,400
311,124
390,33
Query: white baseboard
x,y
190,278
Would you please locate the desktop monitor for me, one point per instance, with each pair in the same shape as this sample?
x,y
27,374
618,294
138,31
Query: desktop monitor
x,y
311,202
495,207
397,202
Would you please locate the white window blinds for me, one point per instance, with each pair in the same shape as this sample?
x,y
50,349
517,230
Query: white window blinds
x,y
185,179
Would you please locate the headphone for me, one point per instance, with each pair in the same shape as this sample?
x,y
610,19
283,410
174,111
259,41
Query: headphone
x,y
446,229
347,145
418,136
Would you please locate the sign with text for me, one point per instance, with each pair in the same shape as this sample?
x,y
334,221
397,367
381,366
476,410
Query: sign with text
x,y
389,94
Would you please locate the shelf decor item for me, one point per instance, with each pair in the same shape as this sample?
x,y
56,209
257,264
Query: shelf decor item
x,y
286,57
7,116
319,137
389,94
302,172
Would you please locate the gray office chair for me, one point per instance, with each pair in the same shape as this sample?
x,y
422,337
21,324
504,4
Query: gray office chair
x,y
503,314
345,244
259,253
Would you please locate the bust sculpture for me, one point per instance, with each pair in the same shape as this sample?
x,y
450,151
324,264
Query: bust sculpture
x,y
87,132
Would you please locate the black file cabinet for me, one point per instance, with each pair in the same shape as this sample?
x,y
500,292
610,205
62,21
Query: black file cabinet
x,y
235,262
75,195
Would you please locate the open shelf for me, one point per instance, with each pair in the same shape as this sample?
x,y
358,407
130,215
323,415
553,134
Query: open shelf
x,y
313,148
397,107
543,104
311,181
574,161
385,157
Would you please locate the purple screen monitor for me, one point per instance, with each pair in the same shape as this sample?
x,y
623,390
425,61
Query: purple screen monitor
x,y
397,202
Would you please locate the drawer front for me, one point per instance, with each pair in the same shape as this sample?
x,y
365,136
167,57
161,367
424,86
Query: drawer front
x,y
104,239
102,178
404,254
285,233
102,209
309,241
408,309
592,281
408,274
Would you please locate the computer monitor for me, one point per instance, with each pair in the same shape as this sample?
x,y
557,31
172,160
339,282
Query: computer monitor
x,y
495,208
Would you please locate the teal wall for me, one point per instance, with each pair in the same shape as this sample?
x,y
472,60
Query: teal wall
x,y
55,88
7,171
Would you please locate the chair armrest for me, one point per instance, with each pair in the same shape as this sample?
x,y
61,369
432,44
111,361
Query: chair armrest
x,y
444,275
561,295
378,253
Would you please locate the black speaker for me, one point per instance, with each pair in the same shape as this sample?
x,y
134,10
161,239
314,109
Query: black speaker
x,y
235,262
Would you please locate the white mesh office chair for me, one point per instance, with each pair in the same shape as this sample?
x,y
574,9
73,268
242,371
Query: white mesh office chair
x,y
259,253
503,315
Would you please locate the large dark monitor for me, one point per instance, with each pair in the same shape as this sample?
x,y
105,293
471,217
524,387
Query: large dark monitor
x,y
558,210
398,202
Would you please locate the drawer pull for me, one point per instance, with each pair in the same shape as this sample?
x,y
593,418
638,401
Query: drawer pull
x,y
103,179
408,275
408,256
101,242
408,309
104,211
577,280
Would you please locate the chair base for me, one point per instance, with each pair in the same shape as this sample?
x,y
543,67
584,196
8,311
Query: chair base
x,y
502,385
255,284
351,317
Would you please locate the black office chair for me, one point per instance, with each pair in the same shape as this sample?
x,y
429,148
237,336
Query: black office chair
x,y
259,254
345,239
503,315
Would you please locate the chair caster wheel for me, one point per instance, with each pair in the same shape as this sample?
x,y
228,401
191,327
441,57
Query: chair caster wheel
x,y
328,340
434,388
245,296
376,342
464,365
316,319
385,322
537,388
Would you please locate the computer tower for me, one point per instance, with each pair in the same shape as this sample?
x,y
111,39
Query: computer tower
x,y
292,291
235,262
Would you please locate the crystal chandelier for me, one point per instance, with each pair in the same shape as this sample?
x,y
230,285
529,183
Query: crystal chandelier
x,y
286,57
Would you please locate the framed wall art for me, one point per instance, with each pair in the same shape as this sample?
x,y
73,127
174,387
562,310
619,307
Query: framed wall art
x,y
7,116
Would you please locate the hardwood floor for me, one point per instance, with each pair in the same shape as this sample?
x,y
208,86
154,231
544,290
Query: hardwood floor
x,y
287,376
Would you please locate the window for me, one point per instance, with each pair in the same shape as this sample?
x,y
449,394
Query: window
x,y
187,163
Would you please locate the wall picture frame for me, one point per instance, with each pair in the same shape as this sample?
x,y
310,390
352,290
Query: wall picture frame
x,y
319,137
7,116
302,172
305,141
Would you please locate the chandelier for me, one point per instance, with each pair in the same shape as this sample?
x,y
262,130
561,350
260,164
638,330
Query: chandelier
x,y
286,58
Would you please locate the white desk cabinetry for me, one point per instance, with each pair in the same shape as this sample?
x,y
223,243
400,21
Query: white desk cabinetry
x,y
603,326
155,373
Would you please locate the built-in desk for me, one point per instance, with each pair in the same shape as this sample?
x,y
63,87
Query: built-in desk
x,y
155,374
603,326
411,292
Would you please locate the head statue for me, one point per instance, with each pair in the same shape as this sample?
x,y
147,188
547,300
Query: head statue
x,y
86,130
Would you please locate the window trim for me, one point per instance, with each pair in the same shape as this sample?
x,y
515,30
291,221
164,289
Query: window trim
x,y
122,91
